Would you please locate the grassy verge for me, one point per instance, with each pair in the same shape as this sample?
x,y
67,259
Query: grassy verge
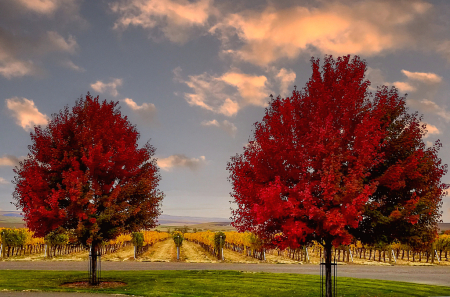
x,y
212,283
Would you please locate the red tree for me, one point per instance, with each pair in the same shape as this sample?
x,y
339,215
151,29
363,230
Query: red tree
x,y
86,173
309,172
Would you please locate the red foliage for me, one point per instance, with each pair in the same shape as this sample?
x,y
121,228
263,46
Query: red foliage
x,y
85,172
308,173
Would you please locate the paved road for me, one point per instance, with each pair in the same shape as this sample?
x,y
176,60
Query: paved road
x,y
432,275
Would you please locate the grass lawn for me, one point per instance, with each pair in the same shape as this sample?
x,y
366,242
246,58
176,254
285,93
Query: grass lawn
x,y
212,283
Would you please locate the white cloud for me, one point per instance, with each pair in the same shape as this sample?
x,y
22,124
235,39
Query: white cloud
x,y
3,181
425,77
147,110
175,19
346,27
110,87
285,78
26,113
225,125
180,160
10,160
229,107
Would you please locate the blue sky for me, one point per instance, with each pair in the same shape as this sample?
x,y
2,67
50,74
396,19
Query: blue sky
x,y
195,75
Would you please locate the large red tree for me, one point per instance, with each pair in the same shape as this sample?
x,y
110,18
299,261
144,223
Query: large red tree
x,y
85,172
312,169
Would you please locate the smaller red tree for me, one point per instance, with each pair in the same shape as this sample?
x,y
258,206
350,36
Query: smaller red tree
x,y
85,173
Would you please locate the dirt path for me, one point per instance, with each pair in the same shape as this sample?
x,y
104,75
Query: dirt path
x,y
164,251
192,252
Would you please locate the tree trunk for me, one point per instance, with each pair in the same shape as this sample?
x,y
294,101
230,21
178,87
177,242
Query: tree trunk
x,y
328,282
93,265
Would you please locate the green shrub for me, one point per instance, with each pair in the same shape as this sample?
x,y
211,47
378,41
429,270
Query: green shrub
x,y
137,238
13,237
219,240
178,238
57,237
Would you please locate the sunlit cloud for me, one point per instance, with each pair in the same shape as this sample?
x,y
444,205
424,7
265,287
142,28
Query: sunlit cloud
x,y
10,160
110,87
429,106
426,77
252,89
10,68
403,87
431,130
26,113
225,94
286,78
225,125
339,28
147,110
175,19
181,160
3,181
44,6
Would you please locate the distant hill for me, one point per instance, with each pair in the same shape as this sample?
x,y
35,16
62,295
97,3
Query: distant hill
x,y
169,220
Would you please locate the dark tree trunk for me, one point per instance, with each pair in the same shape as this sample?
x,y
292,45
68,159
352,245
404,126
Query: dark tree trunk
x,y
93,280
328,283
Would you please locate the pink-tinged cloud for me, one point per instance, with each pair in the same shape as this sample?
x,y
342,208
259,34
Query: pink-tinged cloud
x,y
11,67
426,105
285,78
180,161
225,125
3,181
339,28
251,88
174,18
425,77
403,87
26,113
10,160
41,6
225,94
110,87
147,111
431,130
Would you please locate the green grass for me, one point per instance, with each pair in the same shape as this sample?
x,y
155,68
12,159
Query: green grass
x,y
212,283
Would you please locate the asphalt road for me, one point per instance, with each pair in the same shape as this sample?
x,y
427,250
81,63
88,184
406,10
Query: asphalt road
x,y
431,275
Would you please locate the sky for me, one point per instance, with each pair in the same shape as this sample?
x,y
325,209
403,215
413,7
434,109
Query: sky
x,y
195,75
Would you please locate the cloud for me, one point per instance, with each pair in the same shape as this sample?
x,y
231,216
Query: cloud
x,y
110,87
180,160
10,160
26,113
147,110
431,130
428,78
225,94
225,125
45,7
69,64
57,42
174,19
285,78
18,52
3,181
334,27
426,105
11,68
403,87
251,88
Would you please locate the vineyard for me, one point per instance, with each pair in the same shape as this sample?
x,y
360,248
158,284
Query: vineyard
x,y
215,246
